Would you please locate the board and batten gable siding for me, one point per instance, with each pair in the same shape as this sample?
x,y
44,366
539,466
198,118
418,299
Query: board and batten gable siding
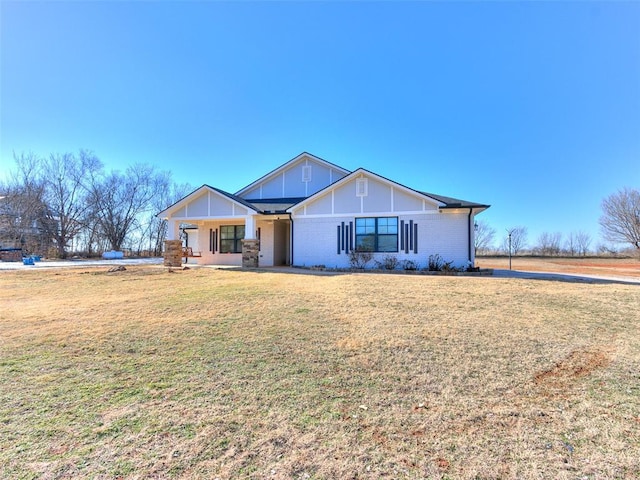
x,y
302,178
209,204
381,198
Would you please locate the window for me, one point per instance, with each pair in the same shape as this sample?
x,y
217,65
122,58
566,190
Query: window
x,y
230,238
377,234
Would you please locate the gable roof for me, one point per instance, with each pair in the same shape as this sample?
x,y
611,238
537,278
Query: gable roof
x,y
441,201
199,190
285,205
287,165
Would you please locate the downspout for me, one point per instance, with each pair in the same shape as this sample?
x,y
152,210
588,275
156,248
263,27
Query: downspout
x,y
469,232
291,240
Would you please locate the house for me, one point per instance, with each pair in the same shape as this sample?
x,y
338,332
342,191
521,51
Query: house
x,y
310,212
25,224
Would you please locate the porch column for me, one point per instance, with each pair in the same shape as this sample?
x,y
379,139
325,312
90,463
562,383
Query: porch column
x,y
249,227
172,245
250,245
173,229
172,253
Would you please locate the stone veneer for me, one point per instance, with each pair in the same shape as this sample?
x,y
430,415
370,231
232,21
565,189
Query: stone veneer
x,y
173,253
250,253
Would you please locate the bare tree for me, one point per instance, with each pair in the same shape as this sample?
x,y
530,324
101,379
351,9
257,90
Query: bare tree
x,y
549,243
24,212
620,220
604,249
119,200
571,246
578,243
154,228
483,236
67,199
65,177
517,242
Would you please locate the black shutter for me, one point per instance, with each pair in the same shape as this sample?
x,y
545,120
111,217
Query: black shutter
x,y
347,235
410,234
406,238
351,235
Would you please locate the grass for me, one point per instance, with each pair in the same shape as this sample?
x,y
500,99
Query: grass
x,y
226,374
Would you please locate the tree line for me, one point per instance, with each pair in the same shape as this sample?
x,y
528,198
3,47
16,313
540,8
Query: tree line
x,y
69,203
619,223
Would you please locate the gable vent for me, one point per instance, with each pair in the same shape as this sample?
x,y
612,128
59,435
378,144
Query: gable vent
x,y
361,187
306,173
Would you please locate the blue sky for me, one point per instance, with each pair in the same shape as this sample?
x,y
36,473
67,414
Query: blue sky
x,y
532,107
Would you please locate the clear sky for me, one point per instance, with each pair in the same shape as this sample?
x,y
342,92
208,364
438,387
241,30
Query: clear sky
x,y
532,107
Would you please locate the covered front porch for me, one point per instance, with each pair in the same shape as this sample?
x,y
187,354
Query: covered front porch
x,y
225,229
249,241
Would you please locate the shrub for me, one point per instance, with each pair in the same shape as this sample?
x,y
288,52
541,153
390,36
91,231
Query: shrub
x,y
448,267
435,263
388,262
359,258
409,265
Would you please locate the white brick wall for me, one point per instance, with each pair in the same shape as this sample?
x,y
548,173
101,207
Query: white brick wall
x,y
445,234
315,240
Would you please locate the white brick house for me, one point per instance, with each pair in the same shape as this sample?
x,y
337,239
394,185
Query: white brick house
x,y
311,212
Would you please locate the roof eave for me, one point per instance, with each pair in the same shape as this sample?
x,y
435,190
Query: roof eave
x,y
474,206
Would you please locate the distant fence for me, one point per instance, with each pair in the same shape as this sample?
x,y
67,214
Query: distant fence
x,y
11,254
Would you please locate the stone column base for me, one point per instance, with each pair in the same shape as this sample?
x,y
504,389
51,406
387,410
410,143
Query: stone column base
x,y
250,253
173,253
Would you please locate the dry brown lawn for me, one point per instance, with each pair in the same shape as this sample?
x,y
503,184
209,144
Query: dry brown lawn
x,y
227,374
618,267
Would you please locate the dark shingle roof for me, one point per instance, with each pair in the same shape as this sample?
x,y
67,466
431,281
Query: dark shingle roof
x,y
234,197
451,202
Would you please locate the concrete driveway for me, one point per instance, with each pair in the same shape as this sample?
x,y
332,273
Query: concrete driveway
x,y
80,263
566,277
